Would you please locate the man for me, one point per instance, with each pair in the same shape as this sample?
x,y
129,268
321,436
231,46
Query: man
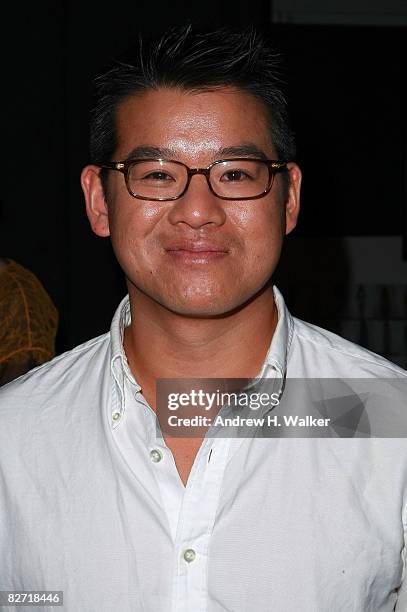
x,y
193,180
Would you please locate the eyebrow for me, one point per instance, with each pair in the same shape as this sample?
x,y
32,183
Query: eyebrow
x,y
146,151
243,150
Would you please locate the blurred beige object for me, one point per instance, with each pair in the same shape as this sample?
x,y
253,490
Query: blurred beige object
x,y
28,321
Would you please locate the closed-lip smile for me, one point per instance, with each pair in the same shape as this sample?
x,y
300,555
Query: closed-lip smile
x,y
196,246
196,252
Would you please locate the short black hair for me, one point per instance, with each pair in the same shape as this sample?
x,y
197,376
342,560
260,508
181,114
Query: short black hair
x,y
192,60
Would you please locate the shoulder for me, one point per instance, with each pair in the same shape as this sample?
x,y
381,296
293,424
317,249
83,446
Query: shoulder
x,y
331,355
62,377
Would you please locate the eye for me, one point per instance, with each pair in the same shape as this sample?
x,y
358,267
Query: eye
x,y
235,176
158,175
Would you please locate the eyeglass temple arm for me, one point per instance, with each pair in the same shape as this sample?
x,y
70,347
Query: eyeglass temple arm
x,y
274,165
113,166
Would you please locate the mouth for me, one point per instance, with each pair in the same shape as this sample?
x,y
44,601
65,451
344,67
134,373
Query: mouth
x,y
197,252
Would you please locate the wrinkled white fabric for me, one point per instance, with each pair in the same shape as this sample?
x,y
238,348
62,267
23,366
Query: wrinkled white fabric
x,y
316,525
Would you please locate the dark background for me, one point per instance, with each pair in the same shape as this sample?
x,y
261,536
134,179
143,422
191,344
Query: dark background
x,y
347,99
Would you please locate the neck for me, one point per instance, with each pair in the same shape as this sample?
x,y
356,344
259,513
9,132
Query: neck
x,y
163,344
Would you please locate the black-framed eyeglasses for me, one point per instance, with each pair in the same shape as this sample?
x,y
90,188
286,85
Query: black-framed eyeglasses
x,y
238,178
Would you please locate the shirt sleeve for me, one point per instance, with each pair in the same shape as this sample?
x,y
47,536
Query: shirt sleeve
x,y
401,604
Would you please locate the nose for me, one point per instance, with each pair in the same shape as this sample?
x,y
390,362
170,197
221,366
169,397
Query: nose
x,y
198,206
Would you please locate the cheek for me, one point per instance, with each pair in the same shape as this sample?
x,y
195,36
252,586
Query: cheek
x,y
132,229
261,228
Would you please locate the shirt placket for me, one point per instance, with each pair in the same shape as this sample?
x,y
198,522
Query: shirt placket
x,y
168,481
195,526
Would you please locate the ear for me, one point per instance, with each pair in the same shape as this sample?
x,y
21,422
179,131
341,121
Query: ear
x,y
96,207
292,205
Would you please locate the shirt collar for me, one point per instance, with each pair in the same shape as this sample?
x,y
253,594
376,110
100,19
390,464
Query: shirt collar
x,y
119,364
277,354
276,357
121,319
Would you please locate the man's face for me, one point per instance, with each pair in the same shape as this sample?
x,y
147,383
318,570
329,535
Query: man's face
x,y
198,255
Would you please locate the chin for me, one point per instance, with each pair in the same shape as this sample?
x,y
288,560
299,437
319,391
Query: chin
x,y
201,313
200,301
211,307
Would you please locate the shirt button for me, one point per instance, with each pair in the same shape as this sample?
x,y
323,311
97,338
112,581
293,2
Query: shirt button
x,y
116,416
156,455
189,555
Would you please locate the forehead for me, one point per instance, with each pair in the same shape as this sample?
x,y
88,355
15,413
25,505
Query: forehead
x,y
195,125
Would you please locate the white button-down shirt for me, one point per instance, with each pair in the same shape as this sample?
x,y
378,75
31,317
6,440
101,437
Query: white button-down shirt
x,y
91,502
